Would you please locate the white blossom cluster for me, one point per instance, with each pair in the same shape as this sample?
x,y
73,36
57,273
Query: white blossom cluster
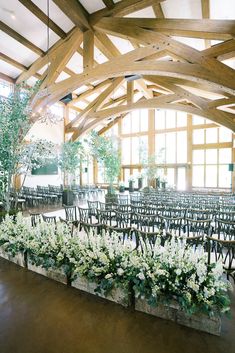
x,y
175,271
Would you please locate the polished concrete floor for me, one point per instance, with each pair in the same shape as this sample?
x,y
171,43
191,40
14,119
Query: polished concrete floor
x,y
38,315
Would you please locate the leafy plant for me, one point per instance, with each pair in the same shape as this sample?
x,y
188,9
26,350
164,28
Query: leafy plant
x,y
16,156
150,165
72,153
105,152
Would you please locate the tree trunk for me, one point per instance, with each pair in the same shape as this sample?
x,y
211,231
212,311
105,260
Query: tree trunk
x,y
7,194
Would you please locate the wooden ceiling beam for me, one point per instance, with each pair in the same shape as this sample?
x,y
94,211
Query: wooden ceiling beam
x,y
201,103
205,5
100,72
108,3
43,17
97,102
75,11
142,88
121,67
117,26
194,84
205,28
122,8
88,50
105,45
220,50
90,91
217,116
221,102
130,92
8,30
63,55
157,8
42,61
112,52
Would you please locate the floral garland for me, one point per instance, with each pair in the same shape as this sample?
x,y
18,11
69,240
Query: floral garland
x,y
176,272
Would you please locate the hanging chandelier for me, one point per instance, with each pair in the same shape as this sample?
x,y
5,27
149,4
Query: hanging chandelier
x,y
46,115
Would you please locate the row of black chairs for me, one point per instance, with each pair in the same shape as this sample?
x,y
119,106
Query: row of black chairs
x,y
142,238
177,221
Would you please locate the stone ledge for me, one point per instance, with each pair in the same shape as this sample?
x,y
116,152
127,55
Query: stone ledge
x,y
201,322
117,295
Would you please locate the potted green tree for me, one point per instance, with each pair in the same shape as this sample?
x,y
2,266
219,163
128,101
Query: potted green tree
x,y
71,156
150,168
140,181
163,182
105,151
131,181
158,182
121,186
18,157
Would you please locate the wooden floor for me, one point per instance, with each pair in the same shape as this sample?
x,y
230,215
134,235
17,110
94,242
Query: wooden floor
x,y
38,315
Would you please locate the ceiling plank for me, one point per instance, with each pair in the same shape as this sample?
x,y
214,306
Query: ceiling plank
x,y
43,17
75,11
8,30
6,78
16,64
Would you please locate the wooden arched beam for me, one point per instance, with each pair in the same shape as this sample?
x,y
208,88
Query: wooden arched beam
x,y
219,117
191,72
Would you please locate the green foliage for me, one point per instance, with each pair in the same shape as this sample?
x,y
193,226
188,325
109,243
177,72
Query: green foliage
x,y
104,151
72,154
16,156
149,164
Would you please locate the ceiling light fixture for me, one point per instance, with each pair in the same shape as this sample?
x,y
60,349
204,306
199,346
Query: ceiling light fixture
x,y
10,12
46,114
134,77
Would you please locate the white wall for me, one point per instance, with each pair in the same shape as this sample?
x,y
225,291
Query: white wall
x,y
49,132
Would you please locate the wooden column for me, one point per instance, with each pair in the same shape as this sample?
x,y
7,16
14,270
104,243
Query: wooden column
x,y
130,92
151,135
233,161
120,178
95,172
189,153
151,132
66,121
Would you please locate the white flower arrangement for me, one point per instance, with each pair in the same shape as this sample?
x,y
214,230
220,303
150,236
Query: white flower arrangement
x,y
179,272
176,271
